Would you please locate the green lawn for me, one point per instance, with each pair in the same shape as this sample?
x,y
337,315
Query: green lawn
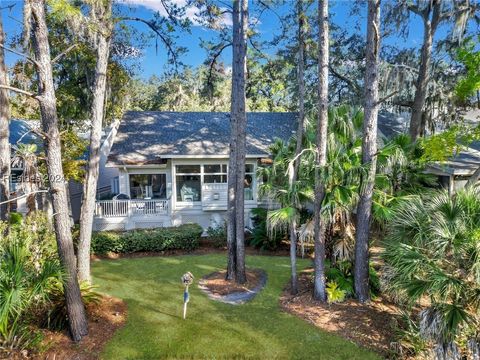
x,y
257,330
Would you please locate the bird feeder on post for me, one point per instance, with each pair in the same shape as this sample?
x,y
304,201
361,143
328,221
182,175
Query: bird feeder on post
x,y
187,280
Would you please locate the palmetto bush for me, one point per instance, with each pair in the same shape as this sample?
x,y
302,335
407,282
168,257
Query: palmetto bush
x,y
432,262
28,270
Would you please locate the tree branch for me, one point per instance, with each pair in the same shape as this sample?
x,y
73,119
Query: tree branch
x,y
350,82
23,196
385,98
17,90
152,26
62,54
214,61
28,58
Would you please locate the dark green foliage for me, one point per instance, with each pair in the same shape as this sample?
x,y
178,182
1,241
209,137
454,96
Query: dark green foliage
x,y
341,274
55,315
261,238
29,268
432,263
184,237
218,235
15,218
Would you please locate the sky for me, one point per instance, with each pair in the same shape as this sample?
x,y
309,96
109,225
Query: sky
x,y
153,60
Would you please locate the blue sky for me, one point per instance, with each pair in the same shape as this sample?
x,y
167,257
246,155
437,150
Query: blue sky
x,y
152,62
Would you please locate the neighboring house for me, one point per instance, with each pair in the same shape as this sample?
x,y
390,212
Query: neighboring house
x,y
173,167
23,132
452,174
455,172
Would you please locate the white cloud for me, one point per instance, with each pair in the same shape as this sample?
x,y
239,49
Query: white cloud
x,y
155,5
191,12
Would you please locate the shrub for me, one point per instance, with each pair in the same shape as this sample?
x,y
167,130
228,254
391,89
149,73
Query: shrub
x,y
15,218
432,261
29,268
260,235
334,293
55,314
184,237
341,274
218,235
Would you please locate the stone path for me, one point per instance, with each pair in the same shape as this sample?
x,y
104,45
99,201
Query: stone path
x,y
236,298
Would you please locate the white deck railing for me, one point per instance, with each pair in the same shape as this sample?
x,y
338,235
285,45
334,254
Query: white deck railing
x,y
124,208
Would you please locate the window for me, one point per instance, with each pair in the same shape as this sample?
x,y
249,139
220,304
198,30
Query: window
x,y
215,174
188,180
115,186
148,186
248,182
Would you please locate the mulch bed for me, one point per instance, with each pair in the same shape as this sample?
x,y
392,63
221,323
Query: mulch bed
x,y
103,320
217,284
368,325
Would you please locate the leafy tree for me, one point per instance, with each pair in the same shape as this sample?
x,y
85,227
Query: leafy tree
x,y
432,14
37,31
470,83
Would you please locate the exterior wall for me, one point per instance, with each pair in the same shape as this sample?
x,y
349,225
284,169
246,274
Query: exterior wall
x,y
208,212
105,175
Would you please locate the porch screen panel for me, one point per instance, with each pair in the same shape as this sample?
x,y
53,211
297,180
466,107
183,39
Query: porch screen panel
x,y
148,186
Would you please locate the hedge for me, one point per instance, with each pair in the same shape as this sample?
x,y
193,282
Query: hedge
x,y
184,237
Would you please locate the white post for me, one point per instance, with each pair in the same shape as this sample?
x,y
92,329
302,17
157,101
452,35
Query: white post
x,y
185,302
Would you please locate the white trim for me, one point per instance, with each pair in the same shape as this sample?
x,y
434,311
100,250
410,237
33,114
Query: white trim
x,y
186,157
211,156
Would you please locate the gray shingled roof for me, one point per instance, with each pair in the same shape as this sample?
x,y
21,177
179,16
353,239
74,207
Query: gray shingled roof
x,y
21,130
147,137
464,163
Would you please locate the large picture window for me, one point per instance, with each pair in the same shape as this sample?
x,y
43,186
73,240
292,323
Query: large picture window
x,y
215,174
148,186
189,184
189,180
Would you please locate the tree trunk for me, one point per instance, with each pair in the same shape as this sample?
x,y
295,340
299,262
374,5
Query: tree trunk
x,y
240,113
97,114
319,292
5,151
48,110
232,162
369,149
298,149
429,28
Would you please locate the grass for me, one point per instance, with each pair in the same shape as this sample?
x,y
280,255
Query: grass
x,y
259,329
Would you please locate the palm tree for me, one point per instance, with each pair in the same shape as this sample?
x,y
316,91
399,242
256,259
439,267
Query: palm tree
x,y
432,261
341,177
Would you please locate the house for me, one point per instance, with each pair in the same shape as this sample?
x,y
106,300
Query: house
x,y
454,173
24,132
173,167
107,177
21,132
